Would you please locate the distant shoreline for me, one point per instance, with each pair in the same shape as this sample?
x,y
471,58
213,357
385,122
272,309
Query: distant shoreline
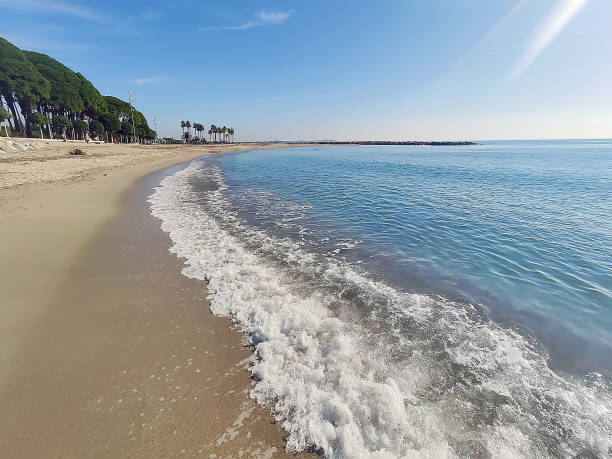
x,y
377,142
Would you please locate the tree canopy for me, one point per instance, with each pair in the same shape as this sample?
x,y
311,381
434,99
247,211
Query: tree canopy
x,y
65,84
39,90
20,80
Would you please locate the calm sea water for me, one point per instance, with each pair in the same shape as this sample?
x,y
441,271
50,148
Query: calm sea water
x,y
522,228
437,300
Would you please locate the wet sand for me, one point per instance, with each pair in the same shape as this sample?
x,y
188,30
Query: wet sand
x,y
106,350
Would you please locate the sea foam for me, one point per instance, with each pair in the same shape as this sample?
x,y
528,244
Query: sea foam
x,y
355,368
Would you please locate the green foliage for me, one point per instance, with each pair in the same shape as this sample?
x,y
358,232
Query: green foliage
x,y
121,109
81,126
38,119
126,128
43,86
111,123
65,84
19,78
61,122
96,127
95,103
4,114
117,107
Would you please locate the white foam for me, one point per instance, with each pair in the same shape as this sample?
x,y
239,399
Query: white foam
x,y
356,369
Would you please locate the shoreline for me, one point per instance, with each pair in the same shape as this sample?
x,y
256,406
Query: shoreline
x,y
106,348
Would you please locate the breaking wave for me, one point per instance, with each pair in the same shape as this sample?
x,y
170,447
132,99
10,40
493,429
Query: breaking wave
x,y
355,368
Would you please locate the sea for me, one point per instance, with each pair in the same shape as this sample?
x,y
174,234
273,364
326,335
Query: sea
x,y
413,301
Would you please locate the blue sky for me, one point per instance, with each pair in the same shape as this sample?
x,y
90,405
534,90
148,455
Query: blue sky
x,y
341,69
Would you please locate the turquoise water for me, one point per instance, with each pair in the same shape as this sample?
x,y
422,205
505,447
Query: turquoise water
x,y
413,301
521,229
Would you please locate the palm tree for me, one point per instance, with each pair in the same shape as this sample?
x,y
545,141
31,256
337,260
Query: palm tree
x,y
231,133
210,131
223,131
183,126
188,126
201,131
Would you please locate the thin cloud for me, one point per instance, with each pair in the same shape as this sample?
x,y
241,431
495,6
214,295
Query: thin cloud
x,y
552,26
273,17
56,7
262,18
148,80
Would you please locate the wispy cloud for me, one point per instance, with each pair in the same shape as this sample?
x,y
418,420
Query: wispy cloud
x,y
54,6
552,26
273,17
148,80
261,18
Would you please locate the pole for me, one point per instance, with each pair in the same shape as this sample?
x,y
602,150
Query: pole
x,y
155,124
132,110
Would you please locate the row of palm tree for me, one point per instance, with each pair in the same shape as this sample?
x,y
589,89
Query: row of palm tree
x,y
216,134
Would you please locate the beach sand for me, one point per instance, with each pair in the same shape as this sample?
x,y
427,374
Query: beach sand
x,y
106,350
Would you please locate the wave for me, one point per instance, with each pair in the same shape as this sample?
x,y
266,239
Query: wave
x,y
353,367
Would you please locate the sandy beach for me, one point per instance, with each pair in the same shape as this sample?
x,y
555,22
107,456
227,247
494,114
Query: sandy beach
x,y
105,348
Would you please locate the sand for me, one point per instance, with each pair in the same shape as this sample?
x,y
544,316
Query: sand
x,y
106,350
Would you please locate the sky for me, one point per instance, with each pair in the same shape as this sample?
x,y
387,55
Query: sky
x,y
340,69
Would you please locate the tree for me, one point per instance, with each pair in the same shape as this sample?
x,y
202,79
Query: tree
x,y
40,120
20,82
119,110
186,136
96,128
126,129
111,123
32,83
200,129
94,102
60,124
4,116
81,128
150,134
65,84
183,126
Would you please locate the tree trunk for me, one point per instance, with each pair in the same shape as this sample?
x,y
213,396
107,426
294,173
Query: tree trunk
x,y
25,111
41,134
11,104
50,133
